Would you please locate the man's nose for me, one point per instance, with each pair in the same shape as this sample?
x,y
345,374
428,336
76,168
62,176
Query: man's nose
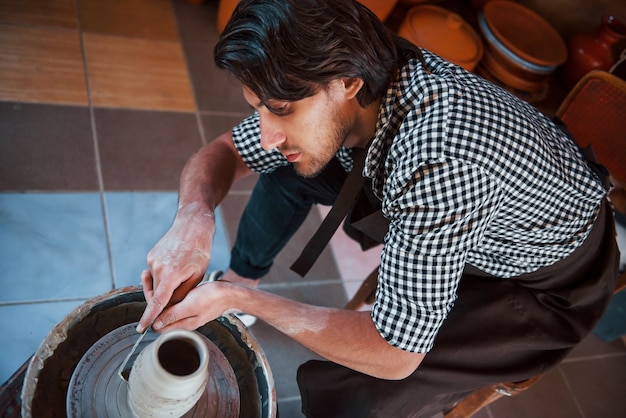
x,y
271,136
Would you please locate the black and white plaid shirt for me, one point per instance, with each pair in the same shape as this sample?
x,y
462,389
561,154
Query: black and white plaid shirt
x,y
467,173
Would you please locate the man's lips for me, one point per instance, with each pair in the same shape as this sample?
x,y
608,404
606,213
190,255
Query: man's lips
x,y
292,157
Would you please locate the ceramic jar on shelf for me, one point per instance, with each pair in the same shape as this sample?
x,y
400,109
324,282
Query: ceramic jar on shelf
x,y
593,51
444,33
522,49
381,8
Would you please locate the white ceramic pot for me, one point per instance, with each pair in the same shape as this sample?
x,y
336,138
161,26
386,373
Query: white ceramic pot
x,y
169,375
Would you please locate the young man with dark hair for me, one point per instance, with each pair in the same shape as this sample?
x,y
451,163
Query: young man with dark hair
x,y
499,253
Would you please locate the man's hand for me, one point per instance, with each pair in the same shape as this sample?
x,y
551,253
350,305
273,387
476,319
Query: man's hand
x,y
182,254
202,305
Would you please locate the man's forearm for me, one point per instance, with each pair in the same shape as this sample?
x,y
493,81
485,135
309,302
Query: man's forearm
x,y
209,174
345,337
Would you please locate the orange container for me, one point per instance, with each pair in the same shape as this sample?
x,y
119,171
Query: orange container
x,y
522,50
443,32
525,33
224,12
381,8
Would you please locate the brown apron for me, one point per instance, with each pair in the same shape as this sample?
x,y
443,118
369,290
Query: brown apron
x,y
499,330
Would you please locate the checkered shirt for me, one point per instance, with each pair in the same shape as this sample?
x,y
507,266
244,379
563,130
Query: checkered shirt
x,y
467,173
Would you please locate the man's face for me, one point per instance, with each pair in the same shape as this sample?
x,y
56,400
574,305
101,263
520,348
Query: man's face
x,y
307,132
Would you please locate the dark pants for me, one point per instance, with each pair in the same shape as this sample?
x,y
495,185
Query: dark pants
x,y
279,204
499,329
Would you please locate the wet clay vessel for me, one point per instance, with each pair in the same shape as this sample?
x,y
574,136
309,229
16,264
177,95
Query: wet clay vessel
x,y
46,388
169,376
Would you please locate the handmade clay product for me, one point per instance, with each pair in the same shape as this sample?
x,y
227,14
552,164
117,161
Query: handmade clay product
x,y
169,376
75,370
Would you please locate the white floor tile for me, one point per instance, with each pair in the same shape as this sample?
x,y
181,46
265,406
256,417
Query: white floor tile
x,y
23,328
136,223
52,245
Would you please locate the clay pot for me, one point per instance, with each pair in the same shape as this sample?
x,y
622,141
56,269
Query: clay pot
x,y
224,12
525,33
381,8
522,49
443,32
593,51
169,375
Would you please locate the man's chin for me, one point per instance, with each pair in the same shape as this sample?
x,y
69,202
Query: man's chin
x,y
307,170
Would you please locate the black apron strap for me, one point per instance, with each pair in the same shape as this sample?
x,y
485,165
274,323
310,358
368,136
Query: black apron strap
x,y
345,199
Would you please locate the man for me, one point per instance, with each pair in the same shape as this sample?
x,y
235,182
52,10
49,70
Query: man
x,y
499,253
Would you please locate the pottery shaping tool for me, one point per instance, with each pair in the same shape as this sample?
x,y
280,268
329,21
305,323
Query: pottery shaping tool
x,y
178,295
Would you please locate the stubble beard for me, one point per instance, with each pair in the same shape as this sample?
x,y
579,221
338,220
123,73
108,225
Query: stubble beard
x,y
318,162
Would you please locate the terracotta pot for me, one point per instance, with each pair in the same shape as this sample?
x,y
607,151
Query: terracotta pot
x,y
510,75
381,8
509,68
443,32
593,51
526,34
522,49
224,12
169,375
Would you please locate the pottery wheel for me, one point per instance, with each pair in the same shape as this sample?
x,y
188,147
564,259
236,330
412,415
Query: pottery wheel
x,y
97,390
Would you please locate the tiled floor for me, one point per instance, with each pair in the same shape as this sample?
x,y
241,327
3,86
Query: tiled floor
x,y
101,103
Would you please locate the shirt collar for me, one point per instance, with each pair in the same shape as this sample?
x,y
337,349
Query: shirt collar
x,y
390,116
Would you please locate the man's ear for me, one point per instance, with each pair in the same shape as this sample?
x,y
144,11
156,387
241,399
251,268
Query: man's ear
x,y
352,86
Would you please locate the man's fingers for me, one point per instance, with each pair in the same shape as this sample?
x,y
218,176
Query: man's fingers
x,y
174,317
147,284
153,309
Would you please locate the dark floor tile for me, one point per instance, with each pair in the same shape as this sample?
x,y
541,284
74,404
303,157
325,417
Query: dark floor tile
x,y
216,124
197,23
246,184
324,268
148,19
612,325
593,346
144,150
284,354
598,386
548,398
290,408
46,147
214,89
60,13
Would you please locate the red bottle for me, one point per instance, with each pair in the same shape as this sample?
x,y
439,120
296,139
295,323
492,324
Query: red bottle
x,y
593,51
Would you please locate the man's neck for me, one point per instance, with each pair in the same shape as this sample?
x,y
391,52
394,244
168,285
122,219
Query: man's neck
x,y
365,125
